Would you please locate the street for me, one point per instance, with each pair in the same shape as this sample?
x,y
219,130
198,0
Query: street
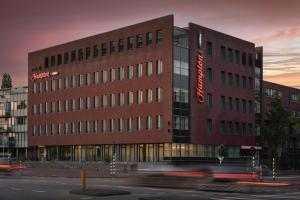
x,y
52,188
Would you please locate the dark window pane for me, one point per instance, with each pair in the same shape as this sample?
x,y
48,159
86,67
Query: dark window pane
x,y
230,55
121,45
130,43
59,59
209,48
95,51
244,58
87,53
73,56
112,47
237,57
159,36
103,49
250,60
139,41
80,54
66,57
52,60
46,62
223,53
149,39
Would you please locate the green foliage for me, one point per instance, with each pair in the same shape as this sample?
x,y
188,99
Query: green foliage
x,y
6,81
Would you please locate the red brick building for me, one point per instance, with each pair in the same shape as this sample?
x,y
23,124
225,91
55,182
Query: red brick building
x,y
148,92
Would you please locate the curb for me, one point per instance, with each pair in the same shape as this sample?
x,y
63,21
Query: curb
x,y
100,192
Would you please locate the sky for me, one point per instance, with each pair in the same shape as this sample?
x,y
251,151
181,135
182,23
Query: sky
x,y
30,25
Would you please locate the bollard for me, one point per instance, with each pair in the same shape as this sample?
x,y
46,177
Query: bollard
x,y
273,169
113,166
83,183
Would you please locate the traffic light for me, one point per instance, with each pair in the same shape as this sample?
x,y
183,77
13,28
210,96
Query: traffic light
x,y
222,150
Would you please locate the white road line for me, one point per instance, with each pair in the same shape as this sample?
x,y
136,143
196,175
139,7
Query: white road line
x,y
86,198
16,189
38,191
235,198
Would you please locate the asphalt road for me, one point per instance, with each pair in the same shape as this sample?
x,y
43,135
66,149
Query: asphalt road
x,y
57,188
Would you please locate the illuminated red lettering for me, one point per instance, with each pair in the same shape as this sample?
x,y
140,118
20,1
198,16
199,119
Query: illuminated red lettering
x,y
42,75
199,87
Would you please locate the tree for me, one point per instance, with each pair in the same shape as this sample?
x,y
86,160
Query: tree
x,y
276,129
6,81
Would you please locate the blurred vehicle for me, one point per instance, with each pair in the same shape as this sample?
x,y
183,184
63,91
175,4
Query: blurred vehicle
x,y
10,165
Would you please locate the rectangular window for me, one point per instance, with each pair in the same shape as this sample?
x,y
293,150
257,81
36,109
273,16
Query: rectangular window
x,y
159,67
230,55
104,101
139,41
250,60
129,124
104,76
80,82
149,96
59,59
58,106
53,85
73,81
250,106
80,54
209,100
88,79
66,105
95,51
230,103
103,126
223,53
87,127
230,79
52,129
237,80
52,61
237,57
112,74
112,100
121,45
223,102
130,43
80,104
88,103
149,39
223,127
103,49
96,78
159,122
46,86
73,56
149,123
66,83
73,104
139,96
66,58
121,124
112,125
139,70
46,62
209,49
237,104
244,58
223,78
237,128
80,127
250,129
159,94
66,128
121,99
209,126
95,126
121,73
59,131
96,102
130,72
87,53
209,74
250,83
230,127
244,82
73,127
139,123
112,47
159,36
130,98
149,68
59,84
46,108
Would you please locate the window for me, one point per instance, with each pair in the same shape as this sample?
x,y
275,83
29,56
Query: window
x,y
209,126
223,53
149,68
80,127
139,41
88,103
59,59
223,78
237,57
244,58
121,73
209,48
66,105
159,68
223,104
80,82
230,55
149,96
87,53
95,51
53,85
250,81
130,43
87,127
159,122
244,82
149,39
223,127
129,124
237,104
34,109
80,54
103,49
237,80
103,126
230,79
58,106
121,45
46,86
88,79
52,131
112,74
149,123
130,98
46,107
73,105
159,94
52,61
250,129
73,127
139,96
66,128
230,103
66,83
104,101
209,74
139,123
112,48
96,78
139,70
80,103
243,105
104,76
130,72
230,127
250,106
121,124
237,128
73,56
112,100
121,99
59,84
112,125
46,62
66,58
95,126
96,102
73,81
159,36
250,60
41,109
209,100
59,128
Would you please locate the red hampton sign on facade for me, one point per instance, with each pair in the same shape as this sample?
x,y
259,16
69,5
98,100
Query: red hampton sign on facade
x,y
42,75
199,87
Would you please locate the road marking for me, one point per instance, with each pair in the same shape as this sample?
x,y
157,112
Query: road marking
x,y
86,198
38,191
16,189
235,198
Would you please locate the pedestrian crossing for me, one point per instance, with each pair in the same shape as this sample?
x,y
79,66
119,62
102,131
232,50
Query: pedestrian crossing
x,y
281,196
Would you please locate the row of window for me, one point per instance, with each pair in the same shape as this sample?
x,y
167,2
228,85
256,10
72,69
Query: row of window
x,y
115,125
239,57
229,127
86,102
232,79
230,102
112,47
73,81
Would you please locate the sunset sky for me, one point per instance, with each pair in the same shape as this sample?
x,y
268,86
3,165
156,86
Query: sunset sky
x,y
29,25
